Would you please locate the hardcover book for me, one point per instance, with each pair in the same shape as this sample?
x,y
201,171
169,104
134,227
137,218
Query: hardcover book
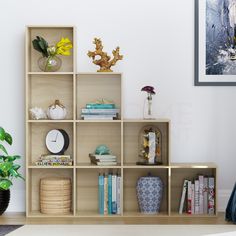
x,y
211,196
110,194
196,197
205,195
201,187
183,196
105,194
118,185
101,193
189,203
114,201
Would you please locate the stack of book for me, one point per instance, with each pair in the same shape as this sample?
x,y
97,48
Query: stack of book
x,y
198,197
54,160
95,111
103,160
109,194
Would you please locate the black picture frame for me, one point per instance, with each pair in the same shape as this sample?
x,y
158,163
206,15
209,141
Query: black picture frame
x,y
197,55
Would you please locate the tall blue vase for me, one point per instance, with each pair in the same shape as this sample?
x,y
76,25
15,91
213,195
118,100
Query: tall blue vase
x,y
149,193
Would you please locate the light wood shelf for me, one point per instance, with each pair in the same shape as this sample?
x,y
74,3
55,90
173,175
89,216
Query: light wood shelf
x,y
74,90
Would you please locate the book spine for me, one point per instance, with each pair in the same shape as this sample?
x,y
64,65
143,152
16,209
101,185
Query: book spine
x,y
201,178
109,194
205,195
192,200
183,197
100,106
211,196
101,194
98,117
189,204
114,203
196,197
96,111
118,194
105,195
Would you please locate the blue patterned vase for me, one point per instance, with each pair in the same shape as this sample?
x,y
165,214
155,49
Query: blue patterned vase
x,y
149,193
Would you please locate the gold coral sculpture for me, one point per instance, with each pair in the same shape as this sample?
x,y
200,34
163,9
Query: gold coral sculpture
x,y
104,61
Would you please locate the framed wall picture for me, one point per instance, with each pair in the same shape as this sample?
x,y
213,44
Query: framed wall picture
x,y
215,42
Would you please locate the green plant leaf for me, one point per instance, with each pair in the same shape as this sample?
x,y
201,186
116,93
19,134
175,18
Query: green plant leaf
x,y
2,134
11,158
16,166
5,184
14,173
3,149
8,138
6,166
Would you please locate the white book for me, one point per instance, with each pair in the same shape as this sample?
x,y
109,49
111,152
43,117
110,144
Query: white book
x,y
211,196
118,183
105,195
114,202
183,197
205,195
107,163
192,201
196,197
201,177
98,117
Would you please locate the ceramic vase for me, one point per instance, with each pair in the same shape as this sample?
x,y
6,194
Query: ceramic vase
x,y
149,193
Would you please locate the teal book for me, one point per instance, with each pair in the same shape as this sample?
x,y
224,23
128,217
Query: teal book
x,y
101,194
100,106
110,194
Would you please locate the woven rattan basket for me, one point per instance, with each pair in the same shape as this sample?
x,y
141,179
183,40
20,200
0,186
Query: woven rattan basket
x,y
55,196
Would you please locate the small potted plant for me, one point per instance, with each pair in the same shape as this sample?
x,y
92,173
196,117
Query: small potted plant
x,y
147,108
50,62
8,170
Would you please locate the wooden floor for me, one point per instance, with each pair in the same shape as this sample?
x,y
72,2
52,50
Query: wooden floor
x,y
20,219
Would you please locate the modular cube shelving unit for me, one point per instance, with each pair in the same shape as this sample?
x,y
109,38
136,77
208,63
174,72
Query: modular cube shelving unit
x,y
75,90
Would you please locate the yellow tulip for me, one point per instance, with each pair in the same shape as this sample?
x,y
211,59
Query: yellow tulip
x,y
64,46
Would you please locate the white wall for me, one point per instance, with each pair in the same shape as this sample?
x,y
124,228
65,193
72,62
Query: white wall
x,y
156,38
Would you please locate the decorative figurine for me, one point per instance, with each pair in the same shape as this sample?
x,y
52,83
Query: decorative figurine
x,y
102,150
104,61
56,111
150,141
37,113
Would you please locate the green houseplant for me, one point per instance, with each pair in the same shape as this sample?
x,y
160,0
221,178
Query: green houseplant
x,y
8,170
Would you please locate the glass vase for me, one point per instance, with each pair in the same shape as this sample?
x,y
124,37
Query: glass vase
x,y
49,64
147,109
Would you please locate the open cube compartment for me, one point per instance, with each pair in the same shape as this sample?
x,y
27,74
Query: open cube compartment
x,y
178,175
52,35
34,188
131,176
91,87
132,143
87,190
45,89
91,135
37,136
